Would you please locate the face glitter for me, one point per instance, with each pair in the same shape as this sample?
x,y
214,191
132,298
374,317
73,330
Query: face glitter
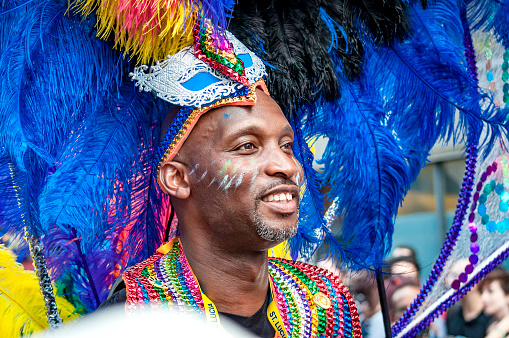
x,y
225,167
223,182
194,169
239,181
211,182
203,175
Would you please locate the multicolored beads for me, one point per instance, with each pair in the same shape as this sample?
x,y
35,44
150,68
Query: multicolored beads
x,y
312,302
217,52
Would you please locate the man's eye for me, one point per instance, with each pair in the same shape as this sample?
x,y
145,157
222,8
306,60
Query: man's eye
x,y
246,146
288,146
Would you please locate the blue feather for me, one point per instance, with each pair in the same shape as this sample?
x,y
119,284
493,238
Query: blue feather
x,y
86,273
81,139
103,181
365,168
381,130
311,205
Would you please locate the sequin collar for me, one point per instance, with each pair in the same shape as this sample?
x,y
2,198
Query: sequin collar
x,y
312,302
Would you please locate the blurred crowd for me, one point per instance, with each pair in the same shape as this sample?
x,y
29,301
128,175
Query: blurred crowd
x,y
482,312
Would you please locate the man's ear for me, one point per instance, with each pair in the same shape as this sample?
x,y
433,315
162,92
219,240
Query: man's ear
x,y
174,179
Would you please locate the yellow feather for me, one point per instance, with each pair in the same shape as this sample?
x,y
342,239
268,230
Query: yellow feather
x,y
147,29
22,309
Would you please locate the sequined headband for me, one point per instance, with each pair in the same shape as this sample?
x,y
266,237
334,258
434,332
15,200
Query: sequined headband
x,y
199,78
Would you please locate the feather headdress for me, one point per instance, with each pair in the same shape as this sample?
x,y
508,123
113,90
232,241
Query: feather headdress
x,y
21,304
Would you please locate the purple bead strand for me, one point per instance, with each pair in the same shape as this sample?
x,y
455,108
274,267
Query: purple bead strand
x,y
450,240
458,294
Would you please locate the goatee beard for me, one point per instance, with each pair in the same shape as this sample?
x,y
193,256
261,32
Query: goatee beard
x,y
274,233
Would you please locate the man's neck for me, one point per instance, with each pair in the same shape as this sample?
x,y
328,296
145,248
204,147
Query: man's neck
x,y
236,283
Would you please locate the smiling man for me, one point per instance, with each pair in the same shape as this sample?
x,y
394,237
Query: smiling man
x,y
234,184
226,161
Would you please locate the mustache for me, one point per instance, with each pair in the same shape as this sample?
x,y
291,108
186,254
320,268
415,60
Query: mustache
x,y
282,181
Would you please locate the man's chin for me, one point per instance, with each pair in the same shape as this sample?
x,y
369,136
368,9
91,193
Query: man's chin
x,y
275,233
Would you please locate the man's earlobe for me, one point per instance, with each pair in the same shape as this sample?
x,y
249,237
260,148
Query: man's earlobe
x,y
174,180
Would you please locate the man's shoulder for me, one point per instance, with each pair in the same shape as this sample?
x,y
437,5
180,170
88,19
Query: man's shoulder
x,y
318,290
309,269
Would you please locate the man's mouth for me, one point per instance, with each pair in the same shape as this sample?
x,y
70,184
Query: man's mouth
x,y
278,197
283,199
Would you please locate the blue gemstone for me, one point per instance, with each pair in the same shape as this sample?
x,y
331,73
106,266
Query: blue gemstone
x,y
499,189
482,210
489,75
482,199
491,226
503,206
505,196
485,219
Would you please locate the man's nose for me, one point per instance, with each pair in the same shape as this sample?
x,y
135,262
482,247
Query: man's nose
x,y
281,164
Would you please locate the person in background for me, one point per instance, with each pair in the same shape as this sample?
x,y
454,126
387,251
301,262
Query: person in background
x,y
402,298
362,286
404,266
495,300
404,251
467,318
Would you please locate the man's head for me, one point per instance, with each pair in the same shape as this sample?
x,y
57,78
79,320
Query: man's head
x,y
235,176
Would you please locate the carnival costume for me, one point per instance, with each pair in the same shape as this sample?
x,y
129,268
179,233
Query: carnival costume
x,y
382,81
306,301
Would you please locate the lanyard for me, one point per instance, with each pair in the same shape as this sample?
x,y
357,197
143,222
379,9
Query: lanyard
x,y
273,314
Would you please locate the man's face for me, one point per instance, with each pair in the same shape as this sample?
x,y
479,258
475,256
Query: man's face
x,y
243,177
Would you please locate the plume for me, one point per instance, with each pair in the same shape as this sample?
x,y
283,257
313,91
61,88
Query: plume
x,y
311,202
22,306
152,29
84,274
389,119
365,169
80,139
294,38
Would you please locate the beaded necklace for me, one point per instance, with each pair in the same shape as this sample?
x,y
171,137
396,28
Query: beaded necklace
x,y
309,301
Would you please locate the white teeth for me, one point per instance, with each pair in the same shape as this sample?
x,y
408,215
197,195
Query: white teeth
x,y
279,197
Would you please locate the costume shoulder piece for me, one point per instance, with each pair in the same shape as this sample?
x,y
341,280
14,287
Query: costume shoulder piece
x,y
315,296
312,302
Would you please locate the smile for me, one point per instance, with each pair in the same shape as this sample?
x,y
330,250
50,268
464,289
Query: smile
x,y
283,199
278,197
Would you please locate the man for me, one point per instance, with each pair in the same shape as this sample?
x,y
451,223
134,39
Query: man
x,y
235,186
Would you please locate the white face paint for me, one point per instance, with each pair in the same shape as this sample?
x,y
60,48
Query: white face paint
x,y
194,169
254,177
203,175
223,183
228,185
239,181
211,182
